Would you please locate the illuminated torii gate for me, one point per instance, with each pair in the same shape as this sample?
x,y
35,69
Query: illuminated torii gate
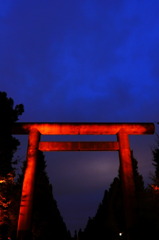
x,y
34,130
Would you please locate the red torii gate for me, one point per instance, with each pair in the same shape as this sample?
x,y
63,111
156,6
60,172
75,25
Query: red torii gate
x,y
34,130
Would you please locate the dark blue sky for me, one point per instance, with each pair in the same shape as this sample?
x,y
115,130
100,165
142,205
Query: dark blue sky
x,y
89,61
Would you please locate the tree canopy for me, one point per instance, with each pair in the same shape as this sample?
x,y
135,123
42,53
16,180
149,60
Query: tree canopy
x,y
9,114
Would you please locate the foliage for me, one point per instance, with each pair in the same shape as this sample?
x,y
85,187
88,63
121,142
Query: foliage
x,y
47,220
109,221
8,145
149,211
155,153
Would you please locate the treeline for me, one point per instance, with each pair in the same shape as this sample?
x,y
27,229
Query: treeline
x,y
109,220
47,222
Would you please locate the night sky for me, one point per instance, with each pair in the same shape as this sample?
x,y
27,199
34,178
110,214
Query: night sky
x,y
83,61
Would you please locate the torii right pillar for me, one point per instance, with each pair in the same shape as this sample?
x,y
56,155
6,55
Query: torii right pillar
x,y
126,171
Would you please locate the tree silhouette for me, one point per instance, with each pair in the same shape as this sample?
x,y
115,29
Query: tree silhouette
x,y
149,210
47,220
8,145
109,221
155,160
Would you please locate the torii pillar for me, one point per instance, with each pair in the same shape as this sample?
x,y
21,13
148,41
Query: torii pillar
x,y
122,130
127,178
25,213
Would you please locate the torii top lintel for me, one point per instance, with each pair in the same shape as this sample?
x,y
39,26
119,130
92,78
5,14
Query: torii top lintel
x,y
84,128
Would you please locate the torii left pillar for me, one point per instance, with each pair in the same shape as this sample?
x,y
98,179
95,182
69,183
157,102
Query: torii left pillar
x,y
25,215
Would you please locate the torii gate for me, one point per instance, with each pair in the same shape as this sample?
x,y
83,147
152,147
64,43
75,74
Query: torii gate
x,y
34,130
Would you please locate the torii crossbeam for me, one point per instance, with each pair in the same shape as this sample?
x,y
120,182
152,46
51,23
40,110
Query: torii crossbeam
x,y
34,130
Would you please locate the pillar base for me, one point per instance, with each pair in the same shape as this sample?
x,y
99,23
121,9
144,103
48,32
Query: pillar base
x,y
24,235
